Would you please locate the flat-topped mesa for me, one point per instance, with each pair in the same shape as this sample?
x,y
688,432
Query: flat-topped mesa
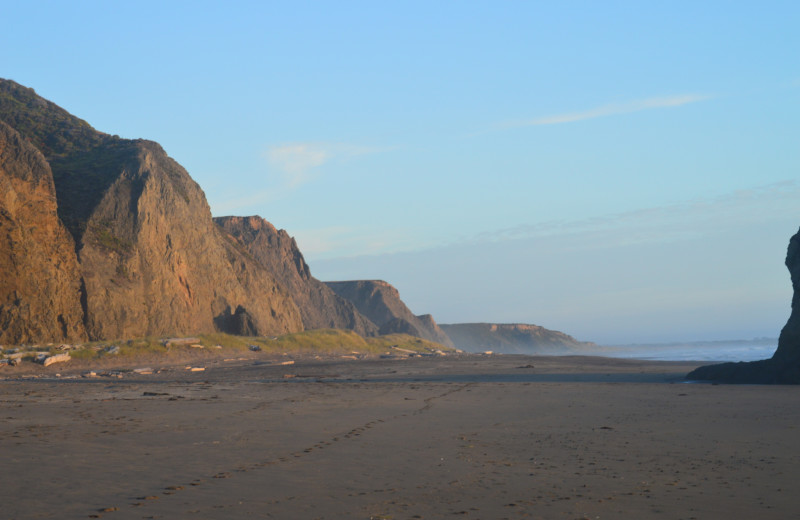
x,y
277,252
380,302
512,338
151,260
784,365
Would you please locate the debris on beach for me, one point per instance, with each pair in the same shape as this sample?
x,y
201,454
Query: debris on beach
x,y
174,342
143,371
255,348
58,358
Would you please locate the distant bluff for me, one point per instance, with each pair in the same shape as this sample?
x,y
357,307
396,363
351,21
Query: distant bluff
x,y
512,338
380,302
784,366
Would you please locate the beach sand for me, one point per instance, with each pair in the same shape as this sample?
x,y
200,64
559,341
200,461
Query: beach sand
x,y
486,437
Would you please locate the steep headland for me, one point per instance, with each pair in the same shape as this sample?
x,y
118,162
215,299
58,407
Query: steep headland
x,y
380,302
784,366
511,338
107,238
150,259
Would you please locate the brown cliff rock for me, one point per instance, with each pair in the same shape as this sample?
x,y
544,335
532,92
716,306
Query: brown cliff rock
x,y
380,302
277,252
151,258
154,262
512,338
784,366
40,282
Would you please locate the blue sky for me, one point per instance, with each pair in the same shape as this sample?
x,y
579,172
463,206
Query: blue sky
x,y
621,171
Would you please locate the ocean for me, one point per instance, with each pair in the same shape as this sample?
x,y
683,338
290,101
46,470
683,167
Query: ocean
x,y
736,350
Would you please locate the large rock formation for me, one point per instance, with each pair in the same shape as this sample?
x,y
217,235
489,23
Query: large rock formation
x,y
277,252
784,366
151,259
39,286
512,338
381,303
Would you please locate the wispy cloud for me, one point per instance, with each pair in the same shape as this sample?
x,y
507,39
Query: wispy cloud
x,y
611,110
680,221
297,161
292,165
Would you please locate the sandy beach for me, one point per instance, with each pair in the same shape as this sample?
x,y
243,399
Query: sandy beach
x,y
485,437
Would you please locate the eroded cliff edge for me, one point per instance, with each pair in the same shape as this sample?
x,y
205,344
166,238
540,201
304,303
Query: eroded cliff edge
x,y
784,366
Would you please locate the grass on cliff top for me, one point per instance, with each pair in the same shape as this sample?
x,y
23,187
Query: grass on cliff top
x,y
313,342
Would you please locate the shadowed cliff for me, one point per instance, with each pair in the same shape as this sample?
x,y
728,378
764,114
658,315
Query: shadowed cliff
x,y
380,302
278,253
784,366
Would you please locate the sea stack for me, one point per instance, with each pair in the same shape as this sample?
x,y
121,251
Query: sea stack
x,y
784,366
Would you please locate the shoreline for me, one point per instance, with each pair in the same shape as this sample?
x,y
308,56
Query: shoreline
x,y
383,438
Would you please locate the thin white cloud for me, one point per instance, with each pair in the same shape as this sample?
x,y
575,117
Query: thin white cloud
x,y
680,221
291,166
612,110
296,161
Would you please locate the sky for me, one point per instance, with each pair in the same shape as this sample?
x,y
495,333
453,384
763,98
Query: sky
x,y
624,172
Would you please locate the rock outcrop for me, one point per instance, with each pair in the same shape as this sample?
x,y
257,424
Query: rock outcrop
x,y
512,338
151,260
784,366
40,282
277,252
381,303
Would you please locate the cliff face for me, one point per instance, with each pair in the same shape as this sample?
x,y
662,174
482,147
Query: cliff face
x,y
151,260
278,253
784,366
39,287
154,262
511,338
381,303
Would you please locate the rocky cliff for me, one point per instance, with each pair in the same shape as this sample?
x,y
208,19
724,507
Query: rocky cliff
x,y
784,366
381,303
277,252
151,261
512,338
40,283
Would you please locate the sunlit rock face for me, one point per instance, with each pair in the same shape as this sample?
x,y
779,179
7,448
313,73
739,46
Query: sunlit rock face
x,y
784,366
39,276
150,259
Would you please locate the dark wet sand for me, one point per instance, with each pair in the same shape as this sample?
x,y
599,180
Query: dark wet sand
x,y
454,437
